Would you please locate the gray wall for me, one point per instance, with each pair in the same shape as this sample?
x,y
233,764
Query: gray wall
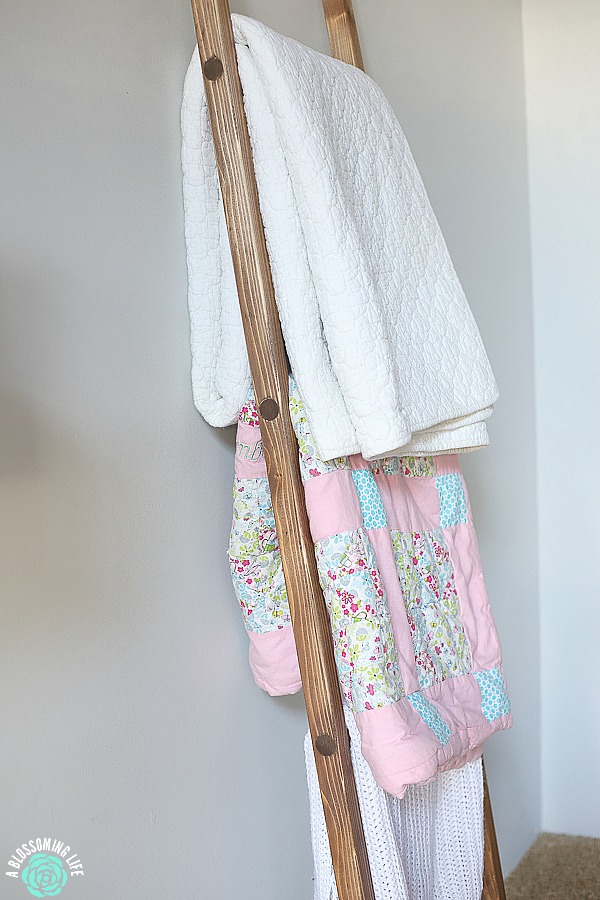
x,y
131,727
562,43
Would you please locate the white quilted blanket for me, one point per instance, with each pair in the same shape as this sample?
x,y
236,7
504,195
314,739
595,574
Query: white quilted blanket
x,y
379,334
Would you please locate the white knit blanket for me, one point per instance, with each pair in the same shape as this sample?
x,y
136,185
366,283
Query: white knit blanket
x,y
427,846
379,334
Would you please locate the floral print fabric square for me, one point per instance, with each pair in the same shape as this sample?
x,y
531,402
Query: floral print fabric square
x,y
310,464
255,559
409,466
432,606
360,621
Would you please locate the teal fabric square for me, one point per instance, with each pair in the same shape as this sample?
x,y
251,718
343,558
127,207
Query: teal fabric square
x,y
371,504
431,716
494,699
453,504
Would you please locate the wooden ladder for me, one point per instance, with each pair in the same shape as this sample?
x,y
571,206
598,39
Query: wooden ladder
x,y
269,371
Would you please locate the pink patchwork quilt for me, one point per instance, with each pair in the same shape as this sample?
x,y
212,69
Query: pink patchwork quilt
x,y
418,656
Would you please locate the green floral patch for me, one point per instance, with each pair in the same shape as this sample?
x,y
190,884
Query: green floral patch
x,y
310,464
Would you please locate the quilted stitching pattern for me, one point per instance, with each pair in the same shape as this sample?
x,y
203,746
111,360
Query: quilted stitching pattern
x,y
378,331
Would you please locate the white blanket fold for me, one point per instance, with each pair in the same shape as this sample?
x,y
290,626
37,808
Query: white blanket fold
x,y
379,334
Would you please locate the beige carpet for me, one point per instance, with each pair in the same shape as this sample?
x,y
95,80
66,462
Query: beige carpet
x,y
557,867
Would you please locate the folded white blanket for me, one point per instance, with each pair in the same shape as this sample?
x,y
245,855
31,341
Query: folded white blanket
x,y
379,334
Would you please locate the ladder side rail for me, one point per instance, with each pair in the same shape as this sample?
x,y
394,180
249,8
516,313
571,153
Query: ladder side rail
x,y
345,45
268,367
493,880
342,31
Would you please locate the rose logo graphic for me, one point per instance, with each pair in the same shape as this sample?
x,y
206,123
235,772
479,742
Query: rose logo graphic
x,y
45,875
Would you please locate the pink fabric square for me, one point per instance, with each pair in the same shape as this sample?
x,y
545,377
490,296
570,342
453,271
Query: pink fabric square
x,y
274,661
249,456
447,464
475,611
332,504
411,504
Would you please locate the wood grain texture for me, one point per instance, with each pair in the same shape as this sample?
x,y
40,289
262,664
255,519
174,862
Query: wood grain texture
x,y
342,31
269,373
493,882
